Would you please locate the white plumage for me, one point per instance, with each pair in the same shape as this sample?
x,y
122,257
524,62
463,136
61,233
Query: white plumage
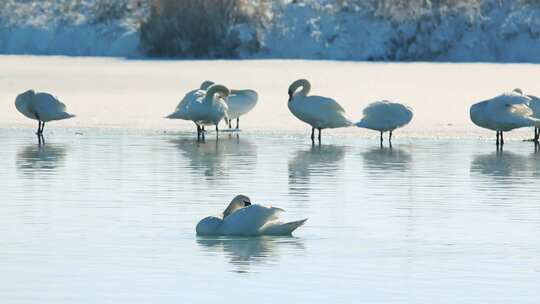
x,y
203,107
534,104
239,102
244,219
385,116
42,107
317,111
503,113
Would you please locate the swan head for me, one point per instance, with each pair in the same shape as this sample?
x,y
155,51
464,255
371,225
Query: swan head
x,y
304,83
22,100
206,84
518,91
238,202
219,89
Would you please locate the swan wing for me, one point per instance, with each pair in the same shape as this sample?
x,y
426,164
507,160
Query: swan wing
x,y
49,107
182,110
249,220
385,115
319,112
278,228
241,102
209,226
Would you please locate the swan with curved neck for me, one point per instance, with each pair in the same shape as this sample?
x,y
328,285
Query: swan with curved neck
x,y
239,101
304,84
203,107
42,107
317,111
242,217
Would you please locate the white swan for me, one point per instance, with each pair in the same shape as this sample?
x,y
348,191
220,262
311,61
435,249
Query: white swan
x,y
317,111
42,107
534,104
239,102
203,107
503,113
385,116
243,218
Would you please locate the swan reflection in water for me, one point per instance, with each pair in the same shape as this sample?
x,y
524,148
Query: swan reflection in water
x,y
34,158
390,159
501,165
216,159
319,161
243,252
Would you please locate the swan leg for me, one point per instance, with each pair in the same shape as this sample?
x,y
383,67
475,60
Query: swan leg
x,y
382,137
198,132
390,138
42,127
536,134
230,126
319,135
502,138
497,142
312,134
237,123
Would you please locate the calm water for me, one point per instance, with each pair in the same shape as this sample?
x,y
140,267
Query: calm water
x,y
108,217
106,211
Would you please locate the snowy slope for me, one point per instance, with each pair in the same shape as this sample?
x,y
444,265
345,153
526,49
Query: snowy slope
x,y
476,30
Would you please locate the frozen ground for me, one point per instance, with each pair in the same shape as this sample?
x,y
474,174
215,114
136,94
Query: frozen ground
x,y
105,211
137,94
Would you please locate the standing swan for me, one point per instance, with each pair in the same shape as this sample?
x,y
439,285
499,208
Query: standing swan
x,y
42,107
385,116
503,113
243,218
534,104
317,111
203,108
240,102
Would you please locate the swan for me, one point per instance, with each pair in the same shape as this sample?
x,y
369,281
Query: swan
x,y
239,102
385,116
42,107
244,219
534,104
503,113
203,107
317,111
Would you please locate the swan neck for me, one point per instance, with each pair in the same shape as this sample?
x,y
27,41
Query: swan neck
x,y
213,90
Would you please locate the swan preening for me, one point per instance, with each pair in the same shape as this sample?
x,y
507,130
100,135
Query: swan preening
x,y
42,107
385,116
317,111
241,218
203,107
504,113
239,103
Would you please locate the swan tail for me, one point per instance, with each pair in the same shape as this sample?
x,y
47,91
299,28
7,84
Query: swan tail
x,y
283,228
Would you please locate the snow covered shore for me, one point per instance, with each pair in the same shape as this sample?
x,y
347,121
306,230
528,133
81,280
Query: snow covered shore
x,y
467,31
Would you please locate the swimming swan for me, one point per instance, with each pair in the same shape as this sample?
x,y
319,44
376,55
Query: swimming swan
x,y
385,116
317,111
241,218
239,102
534,104
203,107
42,107
503,113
